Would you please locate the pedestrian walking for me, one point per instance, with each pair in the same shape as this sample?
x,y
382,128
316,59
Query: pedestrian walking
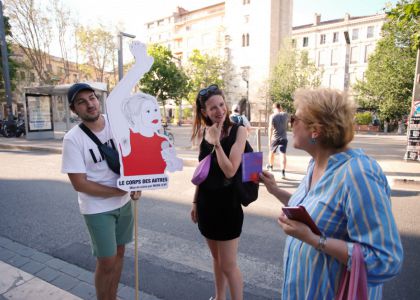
x,y
277,138
348,197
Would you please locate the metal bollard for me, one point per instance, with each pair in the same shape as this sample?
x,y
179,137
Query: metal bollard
x,y
258,139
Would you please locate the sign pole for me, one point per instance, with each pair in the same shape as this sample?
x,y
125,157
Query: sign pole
x,y
136,255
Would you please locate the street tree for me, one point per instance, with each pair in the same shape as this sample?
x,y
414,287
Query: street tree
x,y
205,69
406,15
388,83
165,80
62,18
294,70
97,47
32,31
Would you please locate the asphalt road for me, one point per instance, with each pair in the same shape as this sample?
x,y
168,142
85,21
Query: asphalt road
x,y
38,208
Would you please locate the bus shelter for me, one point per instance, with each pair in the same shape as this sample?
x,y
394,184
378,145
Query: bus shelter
x,y
47,111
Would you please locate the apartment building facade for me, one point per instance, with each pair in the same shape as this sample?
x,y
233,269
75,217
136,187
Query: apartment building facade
x,y
246,32
61,73
340,59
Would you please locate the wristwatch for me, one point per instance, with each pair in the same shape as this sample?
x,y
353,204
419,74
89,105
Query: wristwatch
x,y
321,243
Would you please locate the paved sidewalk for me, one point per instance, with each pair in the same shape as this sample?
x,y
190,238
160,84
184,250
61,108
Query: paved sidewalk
x,y
27,274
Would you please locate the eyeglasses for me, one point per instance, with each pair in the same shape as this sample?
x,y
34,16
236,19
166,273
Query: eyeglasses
x,y
294,118
210,89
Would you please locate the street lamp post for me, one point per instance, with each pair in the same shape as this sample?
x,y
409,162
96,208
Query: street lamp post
x,y
347,62
245,77
120,52
5,64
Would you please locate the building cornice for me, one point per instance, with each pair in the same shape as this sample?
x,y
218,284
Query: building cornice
x,y
338,23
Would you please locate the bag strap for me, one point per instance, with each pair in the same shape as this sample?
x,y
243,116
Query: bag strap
x,y
90,134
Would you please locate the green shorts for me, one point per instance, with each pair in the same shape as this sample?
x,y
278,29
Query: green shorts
x,y
109,229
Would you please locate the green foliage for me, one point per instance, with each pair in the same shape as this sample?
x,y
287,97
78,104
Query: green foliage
x,y
388,83
186,114
203,70
165,80
32,31
406,15
294,70
97,46
363,118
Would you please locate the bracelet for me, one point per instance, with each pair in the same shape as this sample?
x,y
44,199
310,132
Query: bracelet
x,y
321,243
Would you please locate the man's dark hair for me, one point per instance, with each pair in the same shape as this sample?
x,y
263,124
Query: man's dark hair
x,y
277,105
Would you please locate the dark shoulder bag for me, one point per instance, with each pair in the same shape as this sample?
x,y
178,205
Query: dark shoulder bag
x,y
246,191
110,154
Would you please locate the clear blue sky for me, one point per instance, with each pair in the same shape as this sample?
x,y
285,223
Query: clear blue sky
x,y
133,14
304,10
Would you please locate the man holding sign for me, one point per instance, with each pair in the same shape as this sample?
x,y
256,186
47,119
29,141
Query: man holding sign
x,y
106,208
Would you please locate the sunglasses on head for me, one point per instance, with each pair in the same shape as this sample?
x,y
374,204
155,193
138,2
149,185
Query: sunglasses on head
x,y
210,89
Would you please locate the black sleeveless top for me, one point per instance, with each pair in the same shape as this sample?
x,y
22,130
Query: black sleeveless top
x,y
220,215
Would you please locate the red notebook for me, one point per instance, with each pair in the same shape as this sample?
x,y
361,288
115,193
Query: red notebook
x,y
251,166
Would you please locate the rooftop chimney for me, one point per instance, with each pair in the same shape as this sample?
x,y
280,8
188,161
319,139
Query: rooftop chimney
x,y
317,19
346,17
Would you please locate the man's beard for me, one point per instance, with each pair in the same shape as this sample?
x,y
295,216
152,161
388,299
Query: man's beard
x,y
90,118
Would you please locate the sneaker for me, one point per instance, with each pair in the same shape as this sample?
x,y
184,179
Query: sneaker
x,y
283,174
269,167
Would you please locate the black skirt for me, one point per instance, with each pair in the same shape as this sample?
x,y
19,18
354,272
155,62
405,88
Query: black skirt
x,y
220,215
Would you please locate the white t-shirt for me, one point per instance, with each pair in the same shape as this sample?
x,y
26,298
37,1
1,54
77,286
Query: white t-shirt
x,y
81,155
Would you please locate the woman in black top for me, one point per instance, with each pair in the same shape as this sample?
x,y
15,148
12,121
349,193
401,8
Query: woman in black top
x,y
216,207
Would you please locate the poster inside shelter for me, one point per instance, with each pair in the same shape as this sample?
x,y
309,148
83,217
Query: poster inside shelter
x,y
39,112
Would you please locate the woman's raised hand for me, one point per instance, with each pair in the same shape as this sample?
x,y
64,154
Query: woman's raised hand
x,y
213,133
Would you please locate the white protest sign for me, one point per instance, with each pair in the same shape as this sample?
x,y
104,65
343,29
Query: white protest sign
x,y
135,119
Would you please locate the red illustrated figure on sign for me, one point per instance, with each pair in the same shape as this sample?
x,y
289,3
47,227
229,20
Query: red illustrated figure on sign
x,y
145,154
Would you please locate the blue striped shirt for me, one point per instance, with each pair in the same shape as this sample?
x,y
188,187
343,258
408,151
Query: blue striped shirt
x,y
351,201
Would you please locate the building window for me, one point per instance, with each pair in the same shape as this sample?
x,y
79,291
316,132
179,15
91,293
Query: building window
x,y
369,33
32,76
368,51
352,78
334,57
245,2
322,58
335,37
354,56
293,43
322,39
355,34
22,75
305,41
245,40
